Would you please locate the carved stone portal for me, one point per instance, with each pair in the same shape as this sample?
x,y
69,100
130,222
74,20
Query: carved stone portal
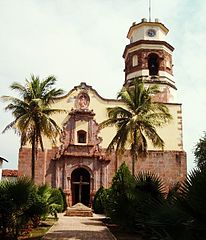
x,y
69,132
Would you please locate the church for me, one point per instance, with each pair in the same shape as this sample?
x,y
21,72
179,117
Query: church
x,y
79,163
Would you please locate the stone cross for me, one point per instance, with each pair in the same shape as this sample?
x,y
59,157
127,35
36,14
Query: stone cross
x,y
80,183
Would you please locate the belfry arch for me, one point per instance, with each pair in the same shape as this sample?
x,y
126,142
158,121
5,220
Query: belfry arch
x,y
153,64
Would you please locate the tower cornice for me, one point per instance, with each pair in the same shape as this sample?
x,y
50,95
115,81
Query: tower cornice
x,y
148,42
146,24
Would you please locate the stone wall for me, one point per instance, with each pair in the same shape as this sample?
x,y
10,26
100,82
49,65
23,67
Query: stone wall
x,y
44,166
169,165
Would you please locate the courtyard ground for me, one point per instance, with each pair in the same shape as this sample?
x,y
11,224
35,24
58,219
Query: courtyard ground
x,y
79,228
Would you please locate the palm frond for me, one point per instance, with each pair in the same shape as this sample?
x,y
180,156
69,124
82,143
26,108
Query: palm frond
x,y
32,112
151,183
137,120
152,134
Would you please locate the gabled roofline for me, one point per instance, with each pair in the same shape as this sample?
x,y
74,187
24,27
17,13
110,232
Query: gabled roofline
x,y
86,87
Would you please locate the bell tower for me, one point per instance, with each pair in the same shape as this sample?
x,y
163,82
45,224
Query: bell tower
x,y
148,56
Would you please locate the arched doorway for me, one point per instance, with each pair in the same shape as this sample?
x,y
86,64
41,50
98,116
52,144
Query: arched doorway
x,y
80,185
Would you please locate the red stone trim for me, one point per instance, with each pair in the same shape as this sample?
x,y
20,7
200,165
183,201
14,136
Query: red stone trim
x,y
180,126
82,166
79,151
9,173
146,79
143,55
149,42
91,147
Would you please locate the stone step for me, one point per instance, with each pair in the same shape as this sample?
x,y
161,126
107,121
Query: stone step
x,y
79,210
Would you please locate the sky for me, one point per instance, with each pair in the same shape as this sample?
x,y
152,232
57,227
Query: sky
x,y
83,41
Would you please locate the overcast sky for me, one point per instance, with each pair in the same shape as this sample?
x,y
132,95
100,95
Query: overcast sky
x,y
83,41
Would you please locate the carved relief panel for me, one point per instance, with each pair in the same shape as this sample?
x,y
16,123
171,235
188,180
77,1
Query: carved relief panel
x,y
82,101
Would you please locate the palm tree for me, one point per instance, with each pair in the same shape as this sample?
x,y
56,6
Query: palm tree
x,y
16,198
53,200
137,121
183,214
32,113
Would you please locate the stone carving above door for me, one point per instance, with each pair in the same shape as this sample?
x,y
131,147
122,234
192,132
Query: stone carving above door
x,y
69,146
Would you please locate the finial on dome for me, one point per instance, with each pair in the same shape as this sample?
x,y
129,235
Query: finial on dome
x,y
150,11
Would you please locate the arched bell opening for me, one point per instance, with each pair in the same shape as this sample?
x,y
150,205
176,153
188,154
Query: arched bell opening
x,y
80,185
153,64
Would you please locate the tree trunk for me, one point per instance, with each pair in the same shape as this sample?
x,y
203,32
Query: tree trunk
x,y
33,157
116,161
134,159
134,152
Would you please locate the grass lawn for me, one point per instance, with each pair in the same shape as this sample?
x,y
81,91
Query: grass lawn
x,y
39,232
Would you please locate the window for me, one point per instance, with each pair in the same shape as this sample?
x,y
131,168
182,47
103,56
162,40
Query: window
x,y
168,63
134,60
153,64
81,136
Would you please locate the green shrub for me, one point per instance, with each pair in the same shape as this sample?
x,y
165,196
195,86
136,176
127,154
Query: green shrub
x,y
55,202
23,203
99,200
130,199
119,198
64,200
52,198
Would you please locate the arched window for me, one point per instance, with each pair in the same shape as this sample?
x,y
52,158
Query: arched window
x,y
81,136
134,60
153,64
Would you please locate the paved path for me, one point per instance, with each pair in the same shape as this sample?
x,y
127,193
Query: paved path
x,y
79,228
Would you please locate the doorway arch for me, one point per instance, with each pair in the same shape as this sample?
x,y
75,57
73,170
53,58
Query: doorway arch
x,y
80,186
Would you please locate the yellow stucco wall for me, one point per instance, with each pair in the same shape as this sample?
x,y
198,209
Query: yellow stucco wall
x,y
171,133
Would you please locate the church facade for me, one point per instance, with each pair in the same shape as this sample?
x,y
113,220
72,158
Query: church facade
x,y
79,163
